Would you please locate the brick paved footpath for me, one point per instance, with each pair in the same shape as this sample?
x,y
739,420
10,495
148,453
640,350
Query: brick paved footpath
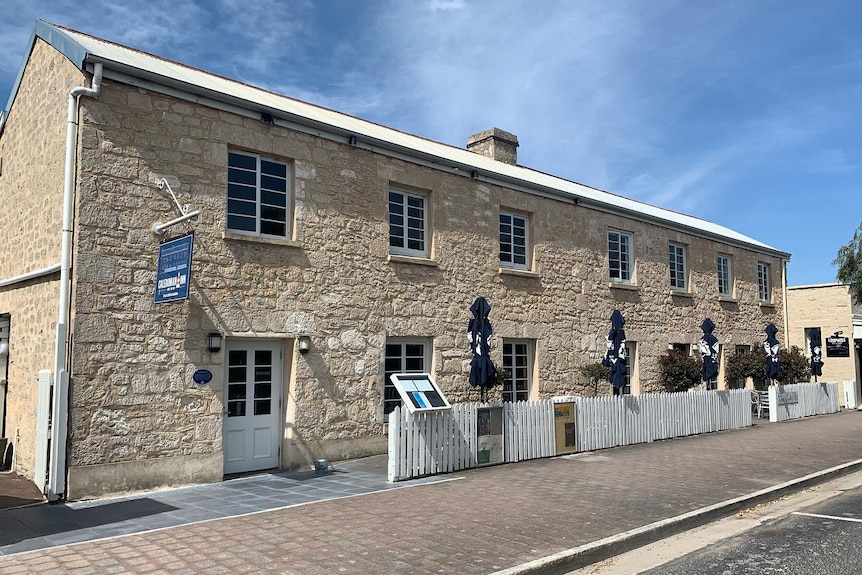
x,y
487,520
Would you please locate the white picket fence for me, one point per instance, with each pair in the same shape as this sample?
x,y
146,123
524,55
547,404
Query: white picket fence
x,y
433,442
445,441
604,422
851,396
802,399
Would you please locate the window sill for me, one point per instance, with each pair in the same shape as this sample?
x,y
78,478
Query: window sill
x,y
623,286
679,293
413,260
260,240
727,299
767,305
518,273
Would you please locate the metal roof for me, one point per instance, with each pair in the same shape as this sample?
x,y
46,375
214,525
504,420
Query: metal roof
x,y
82,49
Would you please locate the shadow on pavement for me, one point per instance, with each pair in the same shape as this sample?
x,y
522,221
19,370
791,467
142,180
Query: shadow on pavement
x,y
39,523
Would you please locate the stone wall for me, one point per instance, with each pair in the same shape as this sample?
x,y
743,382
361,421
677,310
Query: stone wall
x,y
32,152
333,280
829,308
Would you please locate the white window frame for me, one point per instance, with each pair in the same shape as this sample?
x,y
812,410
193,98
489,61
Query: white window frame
x,y
260,206
394,397
677,267
724,271
517,222
405,219
764,289
520,348
624,260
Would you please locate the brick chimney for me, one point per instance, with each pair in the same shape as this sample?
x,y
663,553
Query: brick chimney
x,y
495,144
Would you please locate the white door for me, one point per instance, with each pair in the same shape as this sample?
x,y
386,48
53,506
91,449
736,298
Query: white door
x,y
252,419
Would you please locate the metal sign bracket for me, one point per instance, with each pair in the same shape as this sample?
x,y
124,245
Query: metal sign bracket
x,y
159,229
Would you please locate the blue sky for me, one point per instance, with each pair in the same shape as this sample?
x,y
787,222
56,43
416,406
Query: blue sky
x,y
744,113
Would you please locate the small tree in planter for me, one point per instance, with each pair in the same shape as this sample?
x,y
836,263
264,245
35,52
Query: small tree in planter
x,y
741,366
679,371
794,367
596,372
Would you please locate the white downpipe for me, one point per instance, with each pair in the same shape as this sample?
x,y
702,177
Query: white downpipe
x,y
30,275
784,302
59,407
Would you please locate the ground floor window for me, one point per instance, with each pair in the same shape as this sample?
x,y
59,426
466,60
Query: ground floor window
x,y
739,350
517,369
402,356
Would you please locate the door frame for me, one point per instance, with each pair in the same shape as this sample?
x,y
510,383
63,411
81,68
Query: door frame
x,y
279,385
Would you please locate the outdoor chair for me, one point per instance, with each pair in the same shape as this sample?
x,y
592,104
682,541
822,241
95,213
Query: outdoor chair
x,y
760,402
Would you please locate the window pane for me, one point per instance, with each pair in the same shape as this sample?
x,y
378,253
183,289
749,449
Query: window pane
x,y
239,207
235,159
262,406
274,184
273,229
241,192
236,408
274,199
236,374
273,168
273,214
236,391
241,177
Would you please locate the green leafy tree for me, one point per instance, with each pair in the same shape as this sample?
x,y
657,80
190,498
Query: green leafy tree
x,y
679,371
795,367
596,372
741,366
849,262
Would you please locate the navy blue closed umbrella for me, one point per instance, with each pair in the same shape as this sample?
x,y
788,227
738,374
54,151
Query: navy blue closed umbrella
x,y
772,347
615,356
815,348
708,345
483,374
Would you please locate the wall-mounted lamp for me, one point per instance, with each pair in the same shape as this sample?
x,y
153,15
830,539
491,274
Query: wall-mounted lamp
x,y
214,342
304,344
837,333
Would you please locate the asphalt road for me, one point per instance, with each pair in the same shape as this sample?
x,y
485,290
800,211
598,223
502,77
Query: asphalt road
x,y
822,539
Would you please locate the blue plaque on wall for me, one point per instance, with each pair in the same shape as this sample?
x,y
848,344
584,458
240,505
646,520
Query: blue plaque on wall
x,y
173,271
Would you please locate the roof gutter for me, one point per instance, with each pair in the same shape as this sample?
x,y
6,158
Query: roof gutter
x,y
60,402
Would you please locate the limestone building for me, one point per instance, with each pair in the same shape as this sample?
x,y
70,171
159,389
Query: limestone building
x,y
359,243
831,309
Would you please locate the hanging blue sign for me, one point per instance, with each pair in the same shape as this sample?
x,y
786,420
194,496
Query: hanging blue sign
x,y
173,271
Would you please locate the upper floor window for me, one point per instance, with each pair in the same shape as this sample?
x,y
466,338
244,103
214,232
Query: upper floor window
x,y
408,223
620,256
514,241
763,287
676,254
258,195
518,367
725,287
